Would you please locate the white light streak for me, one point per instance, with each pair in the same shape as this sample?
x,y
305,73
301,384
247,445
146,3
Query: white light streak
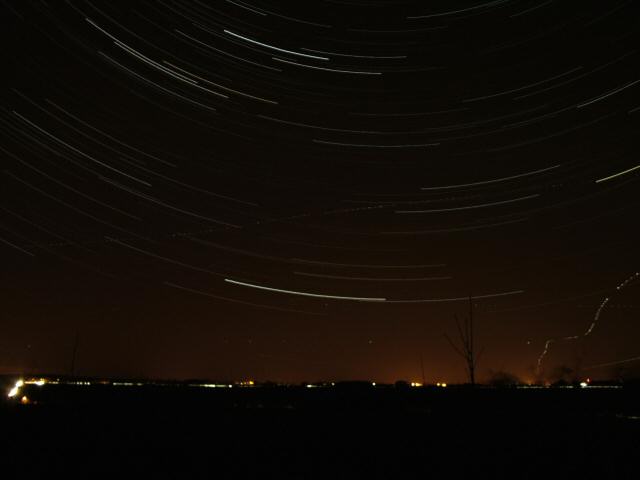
x,y
305,294
459,299
618,362
619,174
470,207
613,92
255,42
370,145
335,70
503,179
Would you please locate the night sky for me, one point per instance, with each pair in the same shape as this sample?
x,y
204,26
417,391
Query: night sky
x,y
304,190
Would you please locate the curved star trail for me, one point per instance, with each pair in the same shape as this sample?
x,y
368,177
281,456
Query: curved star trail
x,y
296,161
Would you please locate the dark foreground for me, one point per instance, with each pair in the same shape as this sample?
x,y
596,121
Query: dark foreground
x,y
346,431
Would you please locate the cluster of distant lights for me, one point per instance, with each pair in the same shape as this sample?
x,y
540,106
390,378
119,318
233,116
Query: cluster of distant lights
x,y
20,383
15,391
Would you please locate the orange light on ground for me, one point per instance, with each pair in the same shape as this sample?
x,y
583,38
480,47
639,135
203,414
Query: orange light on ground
x,y
36,381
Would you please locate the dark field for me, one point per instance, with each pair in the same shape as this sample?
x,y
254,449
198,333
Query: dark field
x,y
349,430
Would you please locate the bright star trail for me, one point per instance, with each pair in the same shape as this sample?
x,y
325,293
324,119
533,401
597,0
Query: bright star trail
x,y
312,189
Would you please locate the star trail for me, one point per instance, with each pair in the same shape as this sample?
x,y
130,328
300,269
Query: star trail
x,y
311,190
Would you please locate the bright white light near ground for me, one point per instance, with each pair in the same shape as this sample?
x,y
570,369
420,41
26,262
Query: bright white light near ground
x,y
16,388
584,384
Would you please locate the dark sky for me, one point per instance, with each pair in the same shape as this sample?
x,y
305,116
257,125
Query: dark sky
x,y
303,190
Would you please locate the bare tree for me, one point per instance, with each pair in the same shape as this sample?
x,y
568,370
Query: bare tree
x,y
75,352
503,378
466,348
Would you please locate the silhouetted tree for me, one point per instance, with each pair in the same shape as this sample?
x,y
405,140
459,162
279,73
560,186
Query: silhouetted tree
x,y
537,374
402,384
502,378
563,375
74,353
466,348
626,372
